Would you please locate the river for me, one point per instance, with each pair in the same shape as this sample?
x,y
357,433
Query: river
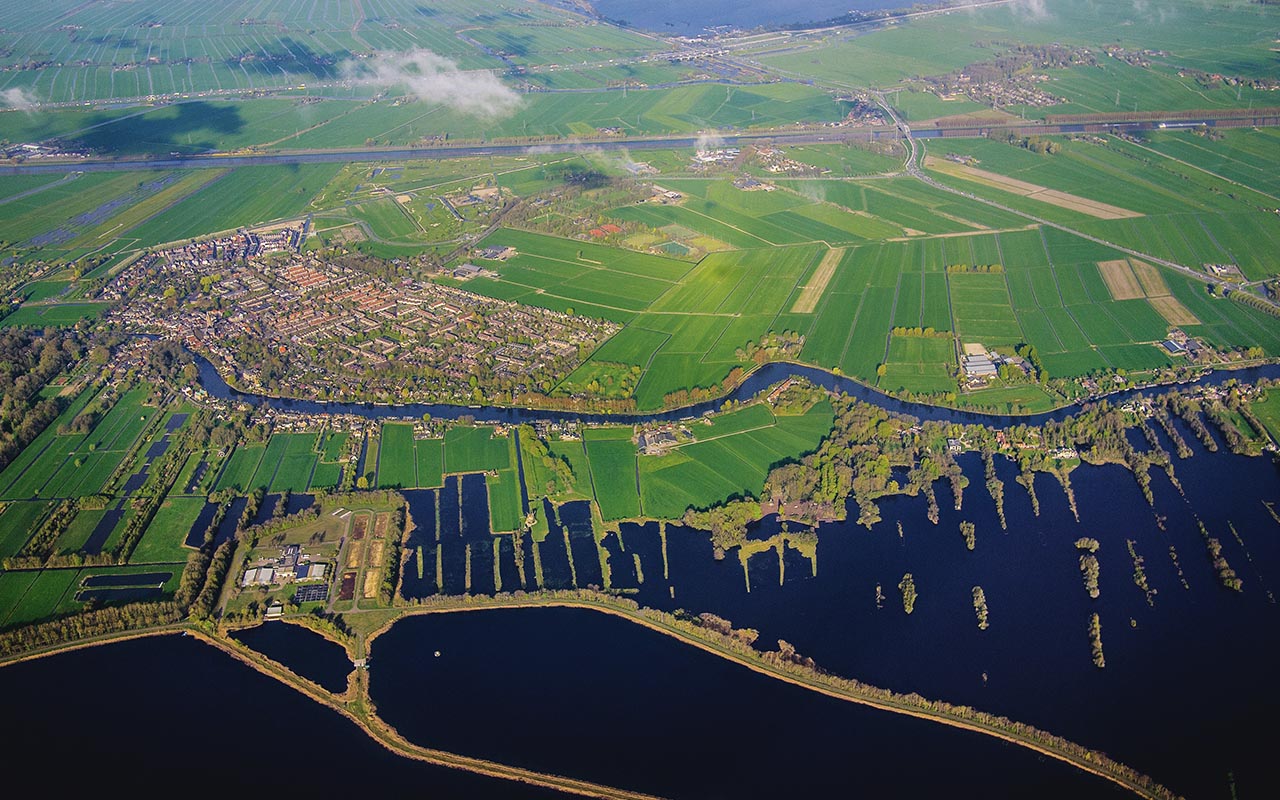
x,y
759,380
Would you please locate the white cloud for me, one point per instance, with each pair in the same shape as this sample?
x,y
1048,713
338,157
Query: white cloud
x,y
1035,10
432,78
19,99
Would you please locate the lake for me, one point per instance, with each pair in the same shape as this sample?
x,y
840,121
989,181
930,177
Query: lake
x,y
577,692
1185,678
171,711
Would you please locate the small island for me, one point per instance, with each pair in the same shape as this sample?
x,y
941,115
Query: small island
x,y
980,607
1095,641
1089,564
908,588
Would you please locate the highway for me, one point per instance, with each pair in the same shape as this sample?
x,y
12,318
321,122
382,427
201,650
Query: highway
x,y
912,168
808,135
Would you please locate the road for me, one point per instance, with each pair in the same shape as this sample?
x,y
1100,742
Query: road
x,y
807,135
912,167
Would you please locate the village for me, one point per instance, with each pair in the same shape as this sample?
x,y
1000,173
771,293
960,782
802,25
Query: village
x,y
273,319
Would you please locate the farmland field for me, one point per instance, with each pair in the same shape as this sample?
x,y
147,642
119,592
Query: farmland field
x,y
397,463
52,315
429,454
612,458
475,450
17,522
162,541
731,458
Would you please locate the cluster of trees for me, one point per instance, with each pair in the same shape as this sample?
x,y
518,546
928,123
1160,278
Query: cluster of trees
x,y
976,268
1226,575
919,332
1089,564
1140,573
727,523
29,360
560,471
772,347
98,622
980,607
968,531
395,548
1095,640
995,486
40,545
908,588
206,601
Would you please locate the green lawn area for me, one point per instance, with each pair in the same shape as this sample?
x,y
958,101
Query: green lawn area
x,y
504,501
475,450
736,463
60,315
162,542
612,459
397,460
17,522
1268,413
43,597
238,473
429,454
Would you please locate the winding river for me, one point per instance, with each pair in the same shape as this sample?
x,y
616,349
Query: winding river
x,y
760,379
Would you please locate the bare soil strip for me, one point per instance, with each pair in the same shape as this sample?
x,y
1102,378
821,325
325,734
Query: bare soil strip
x,y
1173,311
1150,278
1120,280
371,579
1132,279
812,292
1053,197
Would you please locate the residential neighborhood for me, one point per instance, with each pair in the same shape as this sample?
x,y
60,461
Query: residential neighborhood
x,y
272,319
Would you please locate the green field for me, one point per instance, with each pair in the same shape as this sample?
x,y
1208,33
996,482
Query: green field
x,y
504,501
615,481
1267,411
246,196
17,522
162,542
920,365
76,465
429,454
397,462
730,459
475,450
59,315
41,598
240,468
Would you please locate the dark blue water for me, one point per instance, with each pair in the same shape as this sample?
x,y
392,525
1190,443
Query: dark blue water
x,y
195,536
174,701
135,579
607,700
1184,677
682,18
305,652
